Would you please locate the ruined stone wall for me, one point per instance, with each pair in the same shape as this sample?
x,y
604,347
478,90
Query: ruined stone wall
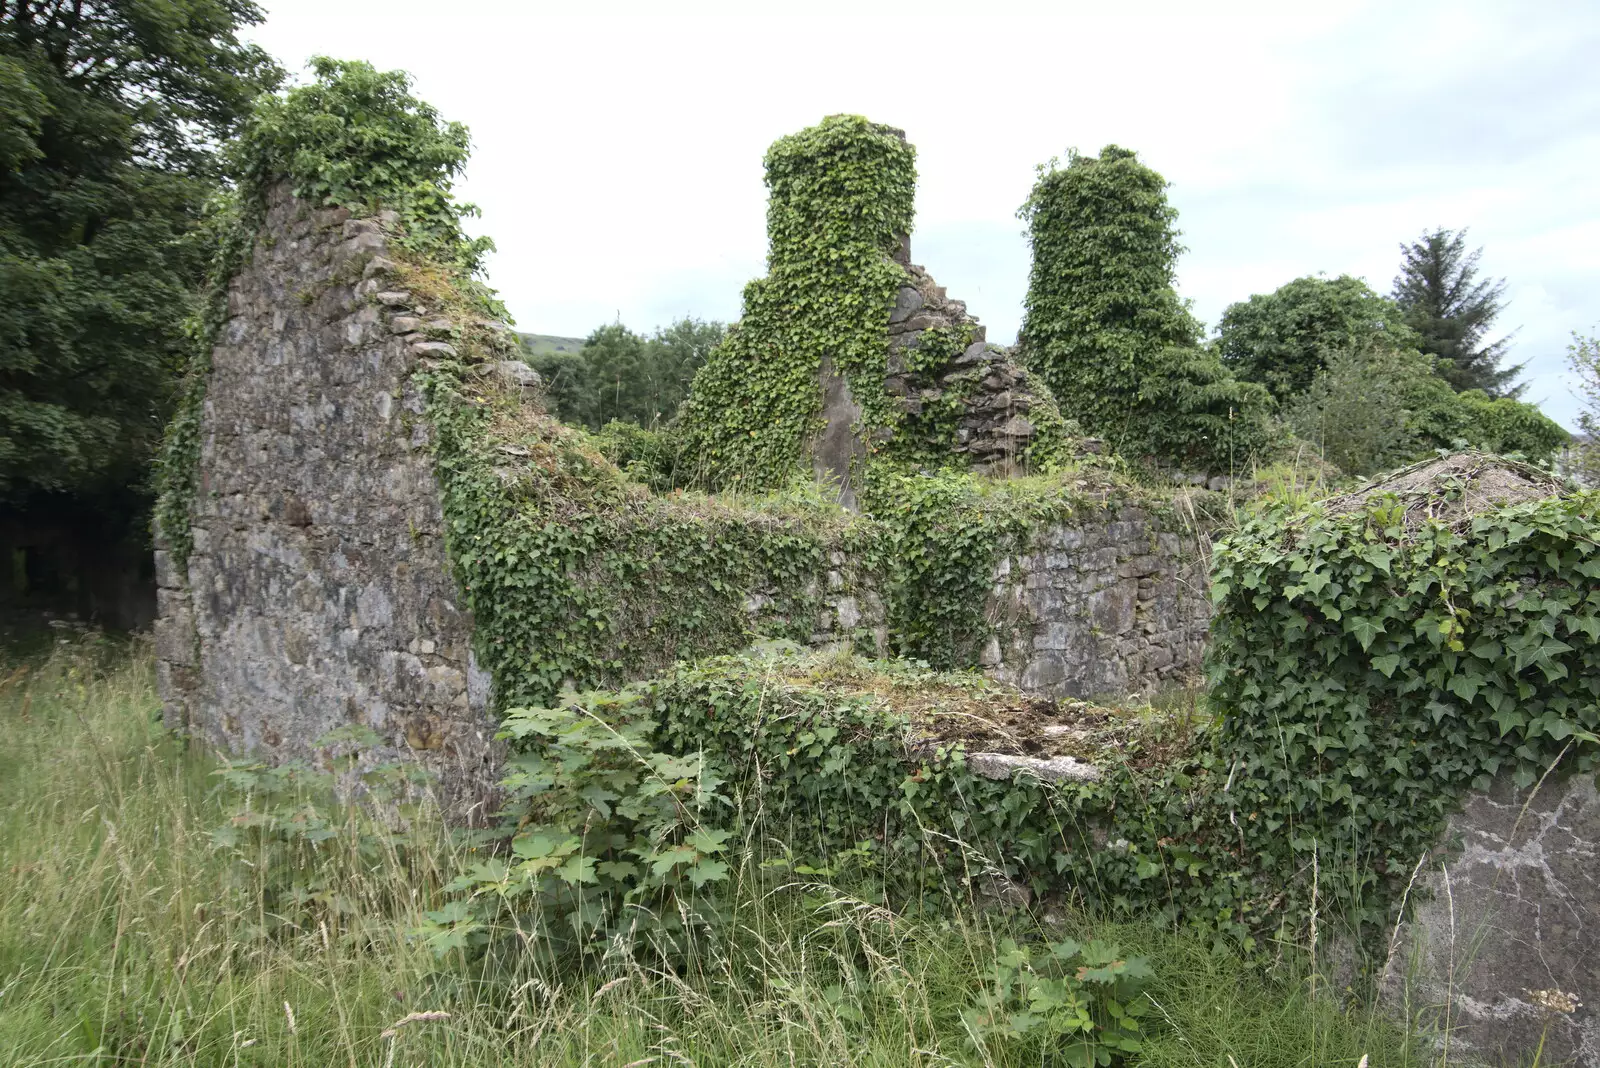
x,y
1114,606
1499,951
317,594
979,402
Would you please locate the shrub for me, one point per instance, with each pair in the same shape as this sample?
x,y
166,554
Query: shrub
x,y
1374,658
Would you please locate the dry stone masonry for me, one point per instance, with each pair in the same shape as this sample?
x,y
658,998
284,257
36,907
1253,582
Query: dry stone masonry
x,y
1109,607
317,594
991,394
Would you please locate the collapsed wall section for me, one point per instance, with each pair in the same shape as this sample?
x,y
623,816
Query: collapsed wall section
x,y
317,593
955,399
1412,670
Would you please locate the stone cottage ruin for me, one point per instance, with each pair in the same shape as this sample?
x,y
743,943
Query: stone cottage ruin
x,y
321,584
319,593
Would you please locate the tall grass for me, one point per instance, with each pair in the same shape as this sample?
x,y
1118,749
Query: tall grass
x,y
129,935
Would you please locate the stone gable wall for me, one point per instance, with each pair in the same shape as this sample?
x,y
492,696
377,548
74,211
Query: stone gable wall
x,y
317,594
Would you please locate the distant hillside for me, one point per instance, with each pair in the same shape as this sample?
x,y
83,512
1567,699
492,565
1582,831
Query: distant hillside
x,y
549,344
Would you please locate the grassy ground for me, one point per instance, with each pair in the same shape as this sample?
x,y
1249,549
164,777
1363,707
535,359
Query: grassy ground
x,y
131,933
549,344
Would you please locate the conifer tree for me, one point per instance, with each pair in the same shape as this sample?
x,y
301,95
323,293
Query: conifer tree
x,y
1453,311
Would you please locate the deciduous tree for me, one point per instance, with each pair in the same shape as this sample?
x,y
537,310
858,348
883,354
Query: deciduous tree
x,y
623,376
1583,356
110,115
1283,339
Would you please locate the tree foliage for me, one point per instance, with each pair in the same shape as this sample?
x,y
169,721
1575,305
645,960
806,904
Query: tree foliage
x,y
1356,410
1284,338
1378,407
1452,311
110,114
623,376
1106,329
1583,357
357,138
1353,381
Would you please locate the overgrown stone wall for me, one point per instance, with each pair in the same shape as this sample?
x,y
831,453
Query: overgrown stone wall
x,y
846,351
318,593
1411,670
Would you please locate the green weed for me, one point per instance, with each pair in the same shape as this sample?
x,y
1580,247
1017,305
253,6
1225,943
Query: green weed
x,y
160,908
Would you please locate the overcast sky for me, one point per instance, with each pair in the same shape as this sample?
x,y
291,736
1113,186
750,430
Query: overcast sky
x,y
617,155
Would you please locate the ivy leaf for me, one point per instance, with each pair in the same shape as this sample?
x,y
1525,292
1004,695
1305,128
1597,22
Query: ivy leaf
x,y
1364,629
1509,719
1464,686
1386,664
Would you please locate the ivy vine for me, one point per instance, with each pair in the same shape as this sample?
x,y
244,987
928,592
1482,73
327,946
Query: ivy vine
x,y
1107,330
577,577
841,199
1371,665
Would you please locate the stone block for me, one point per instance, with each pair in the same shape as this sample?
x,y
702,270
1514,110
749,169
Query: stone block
x,y
1053,769
1054,635
167,576
907,302
1502,939
175,638
1045,671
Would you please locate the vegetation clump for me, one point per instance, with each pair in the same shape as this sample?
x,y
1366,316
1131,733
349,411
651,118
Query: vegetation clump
x,y
1354,381
841,200
1105,328
1375,657
618,376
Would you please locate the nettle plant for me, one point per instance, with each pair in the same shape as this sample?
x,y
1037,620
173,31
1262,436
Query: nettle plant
x,y
616,844
1066,1003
